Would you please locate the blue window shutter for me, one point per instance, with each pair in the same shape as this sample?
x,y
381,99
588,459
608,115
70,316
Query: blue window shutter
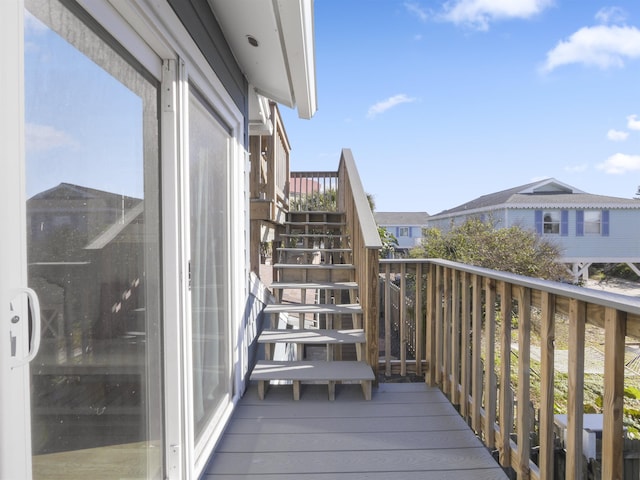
x,y
564,223
538,221
579,223
605,223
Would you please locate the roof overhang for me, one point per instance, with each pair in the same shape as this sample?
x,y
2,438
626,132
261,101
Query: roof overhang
x,y
273,42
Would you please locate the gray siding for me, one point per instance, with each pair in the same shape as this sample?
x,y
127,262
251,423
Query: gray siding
x,y
623,241
198,19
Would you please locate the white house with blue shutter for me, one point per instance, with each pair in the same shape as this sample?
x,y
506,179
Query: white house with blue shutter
x,y
406,227
588,228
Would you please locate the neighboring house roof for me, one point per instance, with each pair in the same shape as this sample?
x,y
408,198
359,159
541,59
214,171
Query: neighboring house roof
x,y
549,193
401,218
66,191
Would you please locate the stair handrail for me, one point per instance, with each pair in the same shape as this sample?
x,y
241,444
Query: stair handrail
x,y
366,246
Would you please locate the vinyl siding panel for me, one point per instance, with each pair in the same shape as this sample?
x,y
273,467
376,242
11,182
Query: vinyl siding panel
x,y
623,228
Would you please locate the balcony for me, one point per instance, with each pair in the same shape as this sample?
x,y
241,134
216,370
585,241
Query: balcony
x,y
473,382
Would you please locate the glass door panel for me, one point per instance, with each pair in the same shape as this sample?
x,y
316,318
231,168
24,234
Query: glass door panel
x,y
93,252
208,186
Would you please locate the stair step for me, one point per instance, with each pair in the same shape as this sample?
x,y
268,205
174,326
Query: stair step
x,y
314,235
312,249
312,337
312,371
315,266
314,285
316,223
350,308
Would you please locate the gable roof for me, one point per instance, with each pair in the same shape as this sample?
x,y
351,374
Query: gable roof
x,y
401,218
548,193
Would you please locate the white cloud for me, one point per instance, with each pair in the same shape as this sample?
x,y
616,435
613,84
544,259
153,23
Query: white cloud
x,y
633,123
415,9
601,46
390,102
479,14
576,168
617,135
620,163
41,138
608,15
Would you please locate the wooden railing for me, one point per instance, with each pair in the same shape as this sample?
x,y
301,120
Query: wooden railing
x,y
454,316
313,191
268,185
269,178
366,245
342,191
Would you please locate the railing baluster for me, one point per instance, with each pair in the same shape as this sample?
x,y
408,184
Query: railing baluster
x,y
476,335
439,325
419,354
506,406
547,338
387,320
403,319
430,347
489,363
446,333
524,382
577,310
612,435
465,374
455,336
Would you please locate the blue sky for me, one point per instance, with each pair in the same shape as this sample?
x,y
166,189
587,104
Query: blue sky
x,y
442,102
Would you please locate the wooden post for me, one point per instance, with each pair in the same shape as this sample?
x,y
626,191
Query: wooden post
x,y
476,349
370,309
577,311
547,337
387,320
490,393
465,367
506,407
439,321
418,319
430,347
612,435
402,305
524,386
455,337
446,334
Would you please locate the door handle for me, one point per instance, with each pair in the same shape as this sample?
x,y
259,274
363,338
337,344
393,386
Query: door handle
x,y
33,328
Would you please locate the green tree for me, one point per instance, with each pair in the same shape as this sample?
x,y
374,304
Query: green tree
x,y
512,249
389,242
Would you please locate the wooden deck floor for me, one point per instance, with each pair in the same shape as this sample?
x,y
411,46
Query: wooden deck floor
x,y
407,431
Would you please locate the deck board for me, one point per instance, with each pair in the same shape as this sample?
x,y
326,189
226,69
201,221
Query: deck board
x,y
407,431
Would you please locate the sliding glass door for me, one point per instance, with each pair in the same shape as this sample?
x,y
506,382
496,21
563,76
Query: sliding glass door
x,y
92,179
209,142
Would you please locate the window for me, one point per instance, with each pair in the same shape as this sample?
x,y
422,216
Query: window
x,y
403,231
592,222
551,223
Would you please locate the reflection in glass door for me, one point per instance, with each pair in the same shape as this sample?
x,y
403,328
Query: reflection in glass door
x,y
93,253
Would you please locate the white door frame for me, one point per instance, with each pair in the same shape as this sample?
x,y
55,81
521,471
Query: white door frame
x,y
15,434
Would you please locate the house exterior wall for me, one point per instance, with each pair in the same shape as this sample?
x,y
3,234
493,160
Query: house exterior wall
x,y
622,242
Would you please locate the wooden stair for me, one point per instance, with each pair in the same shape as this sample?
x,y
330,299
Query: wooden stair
x,y
315,258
